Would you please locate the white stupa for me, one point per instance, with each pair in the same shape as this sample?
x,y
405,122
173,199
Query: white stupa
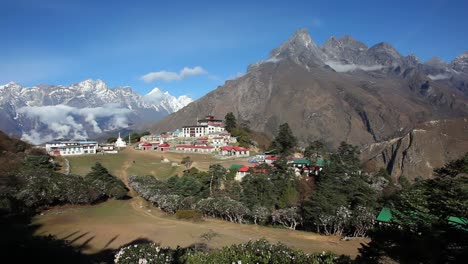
x,y
120,143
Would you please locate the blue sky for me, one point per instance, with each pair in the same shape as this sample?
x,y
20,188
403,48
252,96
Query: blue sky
x,y
64,42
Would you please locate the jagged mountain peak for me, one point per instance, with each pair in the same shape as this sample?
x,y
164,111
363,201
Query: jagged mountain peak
x,y
387,48
91,85
11,85
413,57
157,91
166,100
345,49
301,48
464,55
460,63
126,89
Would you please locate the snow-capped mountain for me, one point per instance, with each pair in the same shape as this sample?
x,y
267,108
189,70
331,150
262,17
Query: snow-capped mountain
x,y
80,110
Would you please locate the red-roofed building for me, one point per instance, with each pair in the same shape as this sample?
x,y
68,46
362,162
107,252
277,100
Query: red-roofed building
x,y
270,159
244,171
234,151
241,173
164,147
146,146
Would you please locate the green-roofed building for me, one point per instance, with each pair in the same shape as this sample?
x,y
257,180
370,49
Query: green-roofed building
x,y
320,162
301,162
235,167
385,215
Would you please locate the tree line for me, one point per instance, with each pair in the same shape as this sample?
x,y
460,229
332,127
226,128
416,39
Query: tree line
x,y
341,201
30,182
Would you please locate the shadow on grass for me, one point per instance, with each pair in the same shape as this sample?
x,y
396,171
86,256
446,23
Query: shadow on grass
x,y
19,244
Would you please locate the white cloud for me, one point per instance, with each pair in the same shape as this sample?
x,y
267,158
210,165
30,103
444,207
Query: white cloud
x,y
437,77
35,137
273,59
64,121
339,67
168,76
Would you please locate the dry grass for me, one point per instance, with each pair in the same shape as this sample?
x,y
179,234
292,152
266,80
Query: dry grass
x,y
114,223
146,162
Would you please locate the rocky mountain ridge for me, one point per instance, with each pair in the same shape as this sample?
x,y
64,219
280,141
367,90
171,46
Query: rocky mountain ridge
x,y
341,91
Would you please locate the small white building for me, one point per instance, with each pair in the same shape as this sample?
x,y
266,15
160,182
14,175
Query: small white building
x,y
120,143
218,141
66,148
195,148
241,173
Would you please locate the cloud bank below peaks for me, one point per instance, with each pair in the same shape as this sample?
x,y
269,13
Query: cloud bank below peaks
x,y
340,67
63,121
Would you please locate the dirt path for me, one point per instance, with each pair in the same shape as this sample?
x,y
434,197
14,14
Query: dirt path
x,y
124,177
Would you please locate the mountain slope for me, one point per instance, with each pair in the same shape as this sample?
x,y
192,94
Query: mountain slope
x,y
81,110
431,145
379,95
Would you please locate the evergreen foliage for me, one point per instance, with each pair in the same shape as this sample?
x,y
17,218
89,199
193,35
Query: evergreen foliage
x,y
285,141
420,231
111,140
314,149
105,183
230,122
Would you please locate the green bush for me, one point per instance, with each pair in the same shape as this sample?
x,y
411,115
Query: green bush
x,y
193,215
144,253
105,183
261,251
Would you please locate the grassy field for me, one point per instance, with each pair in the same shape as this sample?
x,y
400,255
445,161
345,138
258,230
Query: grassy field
x,y
115,223
145,163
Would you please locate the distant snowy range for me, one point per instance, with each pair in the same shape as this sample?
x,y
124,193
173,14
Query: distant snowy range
x,y
78,111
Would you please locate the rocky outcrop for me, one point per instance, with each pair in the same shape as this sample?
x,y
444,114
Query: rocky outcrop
x,y
419,152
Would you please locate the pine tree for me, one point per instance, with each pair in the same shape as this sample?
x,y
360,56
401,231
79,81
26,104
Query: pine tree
x,y
285,142
230,121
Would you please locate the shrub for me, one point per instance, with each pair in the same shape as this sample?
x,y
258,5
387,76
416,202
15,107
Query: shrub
x,y
262,251
108,185
144,253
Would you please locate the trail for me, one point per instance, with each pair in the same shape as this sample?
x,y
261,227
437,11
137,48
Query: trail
x,y
124,177
67,167
137,203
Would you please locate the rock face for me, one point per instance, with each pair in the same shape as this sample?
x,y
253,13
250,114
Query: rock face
x,y
429,146
344,91
366,96
80,110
